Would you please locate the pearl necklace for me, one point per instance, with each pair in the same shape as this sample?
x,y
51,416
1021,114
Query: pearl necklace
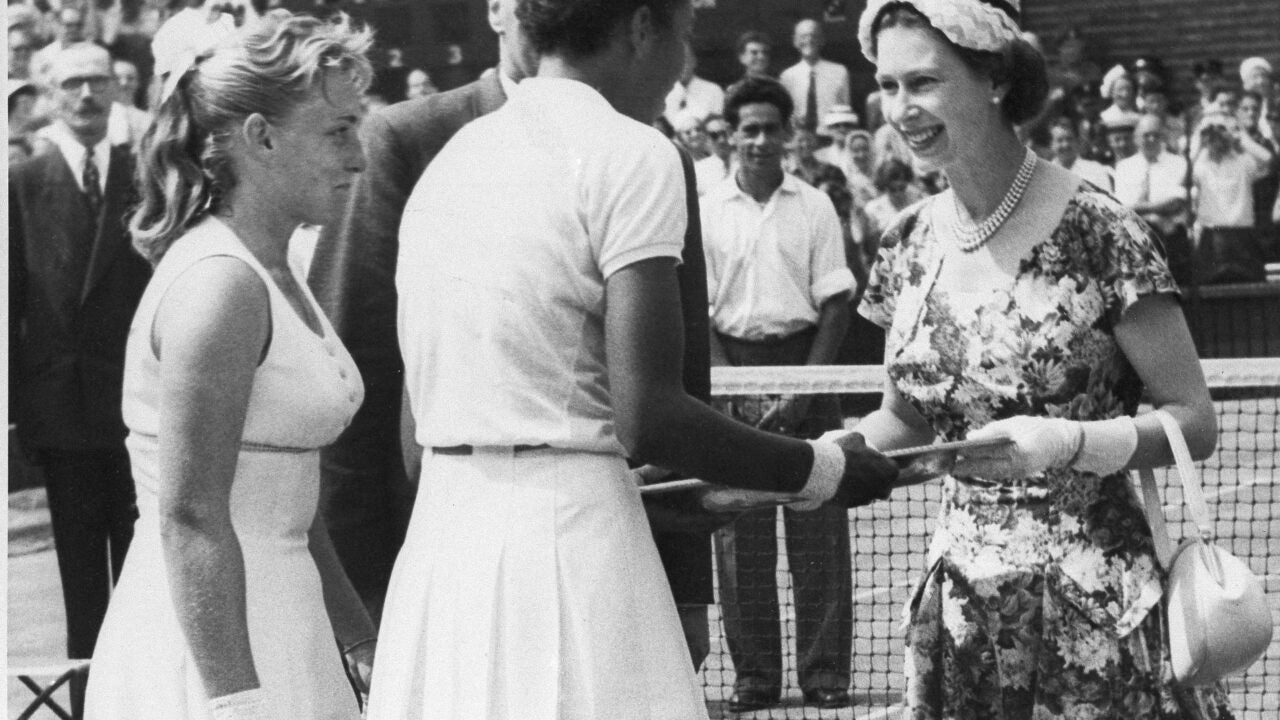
x,y
970,236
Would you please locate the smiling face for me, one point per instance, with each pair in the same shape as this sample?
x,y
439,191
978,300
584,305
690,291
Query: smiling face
x,y
755,58
317,152
808,39
941,107
1065,145
760,138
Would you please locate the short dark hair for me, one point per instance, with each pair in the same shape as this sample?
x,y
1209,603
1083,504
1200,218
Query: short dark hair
x,y
1220,86
1063,122
828,173
752,36
582,27
757,90
891,170
1019,65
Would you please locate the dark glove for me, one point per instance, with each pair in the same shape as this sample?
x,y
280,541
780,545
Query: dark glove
x,y
868,475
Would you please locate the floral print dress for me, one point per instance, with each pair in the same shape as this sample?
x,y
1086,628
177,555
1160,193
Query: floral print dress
x,y
1041,595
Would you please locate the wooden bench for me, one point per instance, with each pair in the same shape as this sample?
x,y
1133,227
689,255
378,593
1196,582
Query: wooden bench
x,y
43,676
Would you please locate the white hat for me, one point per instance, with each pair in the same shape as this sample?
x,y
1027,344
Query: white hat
x,y
1110,79
987,25
839,114
1254,63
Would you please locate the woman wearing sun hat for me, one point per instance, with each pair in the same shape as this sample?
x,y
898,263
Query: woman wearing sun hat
x,y
1024,303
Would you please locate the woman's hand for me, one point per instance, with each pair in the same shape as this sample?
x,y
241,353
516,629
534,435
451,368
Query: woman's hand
x,y
1038,444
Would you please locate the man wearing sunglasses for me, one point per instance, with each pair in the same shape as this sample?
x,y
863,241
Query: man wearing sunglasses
x,y
715,167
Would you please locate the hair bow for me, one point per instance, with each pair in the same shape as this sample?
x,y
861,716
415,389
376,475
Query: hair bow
x,y
181,48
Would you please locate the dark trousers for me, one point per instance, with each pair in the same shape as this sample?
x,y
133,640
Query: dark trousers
x,y
817,555
92,507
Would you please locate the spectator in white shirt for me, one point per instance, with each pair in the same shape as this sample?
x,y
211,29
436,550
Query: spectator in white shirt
x,y
1153,183
1227,165
1064,142
1155,101
779,289
815,85
693,95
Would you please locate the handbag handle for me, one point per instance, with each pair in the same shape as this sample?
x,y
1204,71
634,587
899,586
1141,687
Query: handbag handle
x,y
1192,492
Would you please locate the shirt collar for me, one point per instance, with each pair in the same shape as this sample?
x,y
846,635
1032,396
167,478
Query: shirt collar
x,y
561,90
73,152
508,84
729,188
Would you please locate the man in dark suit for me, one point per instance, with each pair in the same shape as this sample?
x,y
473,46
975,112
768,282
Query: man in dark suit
x,y
366,491
74,283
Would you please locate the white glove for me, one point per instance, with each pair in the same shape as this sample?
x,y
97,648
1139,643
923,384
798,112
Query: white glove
x,y
1101,447
244,705
1108,445
1039,444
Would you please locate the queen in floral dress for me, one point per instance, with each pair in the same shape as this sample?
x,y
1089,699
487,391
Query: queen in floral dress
x,y
1025,303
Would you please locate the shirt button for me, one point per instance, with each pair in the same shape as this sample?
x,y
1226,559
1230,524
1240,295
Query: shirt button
x,y
352,397
342,373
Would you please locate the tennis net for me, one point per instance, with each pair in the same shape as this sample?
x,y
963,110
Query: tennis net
x,y
889,540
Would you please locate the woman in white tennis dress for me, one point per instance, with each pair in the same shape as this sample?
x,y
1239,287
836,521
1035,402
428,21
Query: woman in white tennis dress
x,y
541,330
231,603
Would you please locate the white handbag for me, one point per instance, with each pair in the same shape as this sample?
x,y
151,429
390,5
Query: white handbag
x,y
1219,622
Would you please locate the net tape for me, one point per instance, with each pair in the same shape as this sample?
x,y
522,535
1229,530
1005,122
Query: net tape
x,y
813,379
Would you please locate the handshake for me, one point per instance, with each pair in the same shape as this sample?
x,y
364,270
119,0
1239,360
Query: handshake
x,y
698,507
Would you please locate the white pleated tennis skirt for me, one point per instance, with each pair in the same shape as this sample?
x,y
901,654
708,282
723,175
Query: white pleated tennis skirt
x,y
529,588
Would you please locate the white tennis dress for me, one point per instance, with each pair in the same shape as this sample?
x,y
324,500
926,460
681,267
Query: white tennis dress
x,y
304,393
529,587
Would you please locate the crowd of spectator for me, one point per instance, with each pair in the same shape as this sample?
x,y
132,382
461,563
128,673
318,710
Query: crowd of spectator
x,y
1199,175
38,29
1192,171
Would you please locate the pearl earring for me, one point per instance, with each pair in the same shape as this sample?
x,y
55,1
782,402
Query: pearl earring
x,y
995,100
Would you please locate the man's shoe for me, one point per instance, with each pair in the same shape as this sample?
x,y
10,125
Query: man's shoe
x,y
749,699
827,699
